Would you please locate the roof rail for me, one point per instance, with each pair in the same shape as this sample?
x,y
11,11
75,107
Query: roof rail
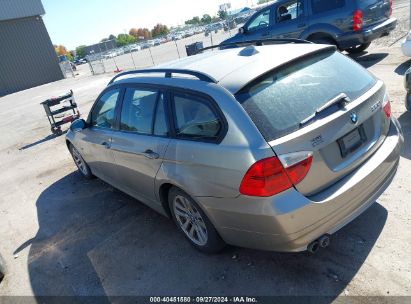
x,y
168,74
259,42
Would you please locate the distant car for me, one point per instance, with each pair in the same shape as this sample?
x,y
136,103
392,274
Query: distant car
x,y
351,25
110,55
135,48
273,152
407,84
406,45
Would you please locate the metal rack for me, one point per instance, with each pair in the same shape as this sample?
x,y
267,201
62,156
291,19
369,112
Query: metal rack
x,y
60,105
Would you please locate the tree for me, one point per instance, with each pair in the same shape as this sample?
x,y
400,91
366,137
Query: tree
x,y
125,39
222,14
111,37
193,21
134,32
80,51
160,30
206,19
61,50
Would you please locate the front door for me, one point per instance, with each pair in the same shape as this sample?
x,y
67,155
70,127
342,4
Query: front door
x,y
141,142
259,26
96,139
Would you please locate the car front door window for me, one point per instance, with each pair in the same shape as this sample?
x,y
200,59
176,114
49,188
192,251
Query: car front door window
x,y
104,112
261,21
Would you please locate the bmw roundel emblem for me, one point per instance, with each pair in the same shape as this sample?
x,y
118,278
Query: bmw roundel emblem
x,y
354,118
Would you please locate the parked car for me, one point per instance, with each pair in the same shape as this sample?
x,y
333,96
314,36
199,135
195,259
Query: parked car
x,y
406,45
407,84
135,48
80,61
229,25
351,25
246,148
111,54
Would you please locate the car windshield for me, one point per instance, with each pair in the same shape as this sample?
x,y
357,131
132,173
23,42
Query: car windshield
x,y
280,100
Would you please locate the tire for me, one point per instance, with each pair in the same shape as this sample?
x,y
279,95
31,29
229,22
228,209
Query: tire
x,y
81,164
189,217
358,48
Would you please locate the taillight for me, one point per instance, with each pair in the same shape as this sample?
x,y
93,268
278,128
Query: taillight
x,y
386,106
270,176
357,20
390,7
297,165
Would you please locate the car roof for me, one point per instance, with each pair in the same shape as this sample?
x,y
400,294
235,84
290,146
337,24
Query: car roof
x,y
236,67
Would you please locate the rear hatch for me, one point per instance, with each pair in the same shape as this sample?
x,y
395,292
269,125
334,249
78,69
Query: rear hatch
x,y
374,11
325,105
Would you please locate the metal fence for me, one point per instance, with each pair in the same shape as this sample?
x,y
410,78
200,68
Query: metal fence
x,y
109,61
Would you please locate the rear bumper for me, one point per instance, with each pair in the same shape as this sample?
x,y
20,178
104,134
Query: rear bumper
x,y
290,221
367,34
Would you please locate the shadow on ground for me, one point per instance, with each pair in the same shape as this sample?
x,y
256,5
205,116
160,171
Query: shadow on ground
x,y
405,121
43,140
403,67
368,60
94,240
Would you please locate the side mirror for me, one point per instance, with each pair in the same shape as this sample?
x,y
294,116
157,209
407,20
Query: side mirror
x,y
241,31
407,82
78,125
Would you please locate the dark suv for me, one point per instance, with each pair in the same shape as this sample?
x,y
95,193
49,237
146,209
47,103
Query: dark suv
x,y
351,25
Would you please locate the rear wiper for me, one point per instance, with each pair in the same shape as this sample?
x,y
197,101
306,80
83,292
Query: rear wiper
x,y
341,100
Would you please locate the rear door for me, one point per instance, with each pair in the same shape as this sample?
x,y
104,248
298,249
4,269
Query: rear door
x,y
141,143
341,137
374,11
290,19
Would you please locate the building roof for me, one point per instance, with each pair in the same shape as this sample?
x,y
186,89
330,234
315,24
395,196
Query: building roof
x,y
235,68
14,9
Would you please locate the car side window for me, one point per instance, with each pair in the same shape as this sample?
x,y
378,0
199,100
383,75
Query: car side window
x,y
137,111
261,21
322,6
290,11
104,111
195,118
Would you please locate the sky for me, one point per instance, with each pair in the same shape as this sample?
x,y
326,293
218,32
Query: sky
x,y
84,22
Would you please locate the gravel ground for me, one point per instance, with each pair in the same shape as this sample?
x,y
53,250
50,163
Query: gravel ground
x,y
62,235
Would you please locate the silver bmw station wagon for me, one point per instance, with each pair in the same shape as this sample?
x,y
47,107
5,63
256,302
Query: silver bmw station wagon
x,y
272,147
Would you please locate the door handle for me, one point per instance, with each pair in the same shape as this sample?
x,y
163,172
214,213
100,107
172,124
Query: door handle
x,y
150,154
106,145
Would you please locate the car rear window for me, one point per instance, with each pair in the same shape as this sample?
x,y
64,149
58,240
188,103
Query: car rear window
x,y
280,100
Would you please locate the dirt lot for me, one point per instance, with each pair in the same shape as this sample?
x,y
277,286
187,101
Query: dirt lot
x,y
63,235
